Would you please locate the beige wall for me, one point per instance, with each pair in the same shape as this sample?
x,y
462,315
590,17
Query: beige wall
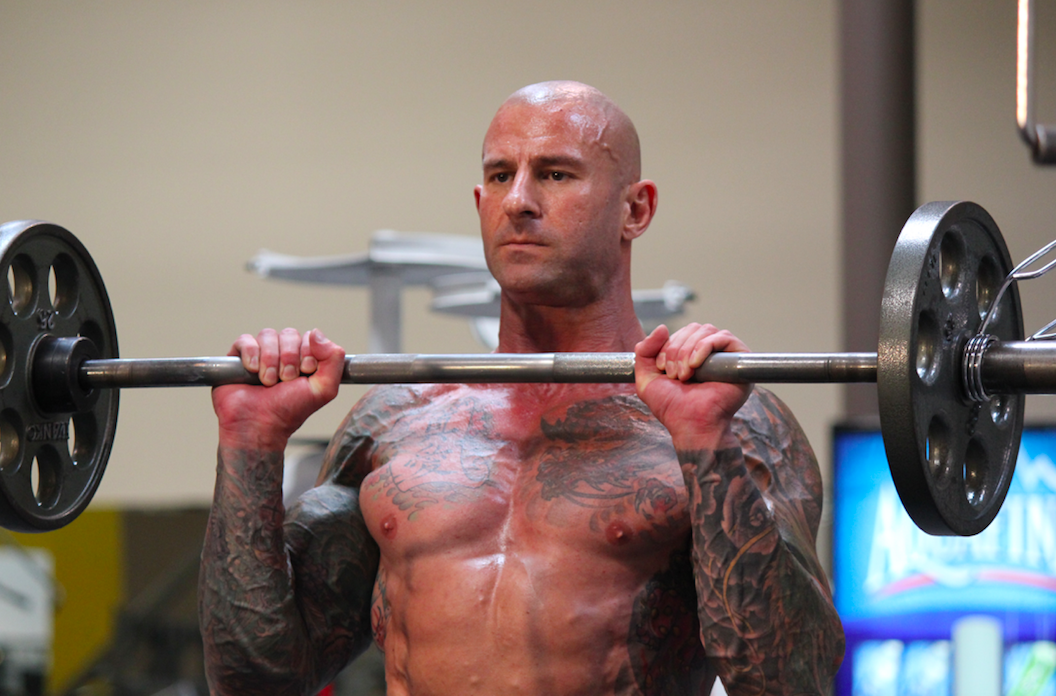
x,y
969,146
177,138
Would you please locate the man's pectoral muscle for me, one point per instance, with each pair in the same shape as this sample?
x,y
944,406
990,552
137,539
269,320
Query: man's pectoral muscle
x,y
552,558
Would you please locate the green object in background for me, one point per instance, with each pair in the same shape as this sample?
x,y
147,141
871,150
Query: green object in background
x,y
1037,671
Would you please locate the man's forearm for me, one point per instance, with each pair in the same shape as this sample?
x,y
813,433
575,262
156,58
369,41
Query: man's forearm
x,y
284,599
253,635
766,613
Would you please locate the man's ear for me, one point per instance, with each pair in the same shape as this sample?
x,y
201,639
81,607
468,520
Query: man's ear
x,y
476,195
641,200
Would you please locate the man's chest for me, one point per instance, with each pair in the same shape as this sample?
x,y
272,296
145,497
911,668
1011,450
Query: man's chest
x,y
596,477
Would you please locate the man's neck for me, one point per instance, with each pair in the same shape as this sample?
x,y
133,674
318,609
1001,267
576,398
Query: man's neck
x,y
606,326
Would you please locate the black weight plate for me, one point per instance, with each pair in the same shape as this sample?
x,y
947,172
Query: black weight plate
x,y
951,459
50,463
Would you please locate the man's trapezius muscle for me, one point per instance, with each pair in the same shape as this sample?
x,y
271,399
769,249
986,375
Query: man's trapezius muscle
x,y
564,539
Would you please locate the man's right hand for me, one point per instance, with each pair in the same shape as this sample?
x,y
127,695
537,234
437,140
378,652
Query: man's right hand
x,y
299,374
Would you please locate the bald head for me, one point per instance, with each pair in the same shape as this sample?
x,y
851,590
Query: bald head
x,y
562,199
599,120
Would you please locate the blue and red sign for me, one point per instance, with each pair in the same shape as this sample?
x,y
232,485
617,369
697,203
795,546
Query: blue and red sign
x,y
885,567
899,591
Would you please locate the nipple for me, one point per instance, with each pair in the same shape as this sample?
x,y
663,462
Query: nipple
x,y
388,527
618,533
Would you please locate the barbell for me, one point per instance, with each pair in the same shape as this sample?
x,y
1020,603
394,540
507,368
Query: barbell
x,y
950,395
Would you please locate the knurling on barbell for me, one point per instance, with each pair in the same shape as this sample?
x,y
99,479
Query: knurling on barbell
x,y
951,455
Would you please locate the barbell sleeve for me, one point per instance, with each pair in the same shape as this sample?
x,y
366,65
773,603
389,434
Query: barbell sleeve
x,y
1020,367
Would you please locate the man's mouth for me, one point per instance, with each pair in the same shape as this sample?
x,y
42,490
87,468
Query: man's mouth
x,y
522,240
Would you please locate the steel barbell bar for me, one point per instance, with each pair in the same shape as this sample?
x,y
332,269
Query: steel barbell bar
x,y
951,447
1014,367
406,368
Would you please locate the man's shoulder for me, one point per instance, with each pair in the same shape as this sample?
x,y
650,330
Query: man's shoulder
x,y
766,417
385,402
348,457
770,434
773,440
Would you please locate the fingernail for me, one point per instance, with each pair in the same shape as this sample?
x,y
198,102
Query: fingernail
x,y
661,362
271,376
254,364
289,372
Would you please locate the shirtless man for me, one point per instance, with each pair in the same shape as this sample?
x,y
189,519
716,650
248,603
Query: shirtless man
x,y
526,539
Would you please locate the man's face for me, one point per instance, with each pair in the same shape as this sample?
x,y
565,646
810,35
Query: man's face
x,y
551,204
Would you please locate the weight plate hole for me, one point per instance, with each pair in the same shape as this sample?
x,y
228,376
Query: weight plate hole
x,y
10,441
937,450
975,470
928,347
5,350
44,477
82,437
951,262
20,284
62,284
987,283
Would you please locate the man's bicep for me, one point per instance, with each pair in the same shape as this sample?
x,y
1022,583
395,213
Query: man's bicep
x,y
792,637
334,563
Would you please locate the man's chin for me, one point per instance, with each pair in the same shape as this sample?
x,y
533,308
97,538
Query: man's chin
x,y
513,255
538,294
531,294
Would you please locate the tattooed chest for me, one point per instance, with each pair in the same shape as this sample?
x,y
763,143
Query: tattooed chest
x,y
602,476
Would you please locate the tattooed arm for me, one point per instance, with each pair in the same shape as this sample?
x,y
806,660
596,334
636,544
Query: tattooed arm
x,y
284,598
766,613
767,619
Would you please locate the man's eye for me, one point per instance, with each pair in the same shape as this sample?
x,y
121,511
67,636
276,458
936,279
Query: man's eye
x,y
558,176
502,177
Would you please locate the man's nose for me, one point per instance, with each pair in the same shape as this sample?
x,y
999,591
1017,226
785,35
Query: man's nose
x,y
522,197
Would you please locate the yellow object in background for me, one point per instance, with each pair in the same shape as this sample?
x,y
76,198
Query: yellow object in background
x,y
89,568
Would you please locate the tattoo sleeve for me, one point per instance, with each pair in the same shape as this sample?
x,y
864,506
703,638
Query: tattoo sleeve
x,y
768,623
284,599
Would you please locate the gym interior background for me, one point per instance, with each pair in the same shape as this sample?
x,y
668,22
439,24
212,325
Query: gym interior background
x,y
176,139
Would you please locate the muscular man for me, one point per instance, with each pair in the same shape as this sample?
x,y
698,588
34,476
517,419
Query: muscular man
x,y
526,539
